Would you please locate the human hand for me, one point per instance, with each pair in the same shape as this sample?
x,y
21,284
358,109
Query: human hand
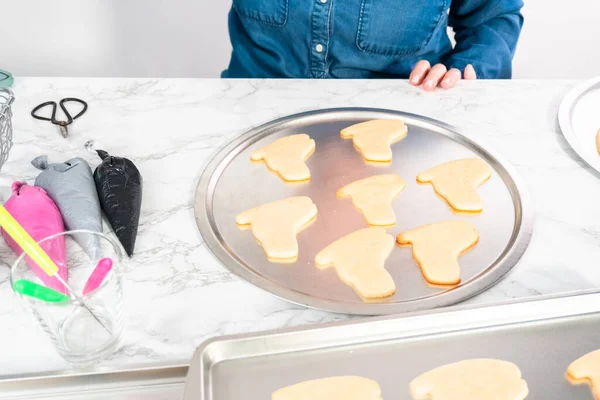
x,y
438,75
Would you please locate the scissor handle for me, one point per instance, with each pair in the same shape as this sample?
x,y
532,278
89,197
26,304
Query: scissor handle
x,y
37,108
68,99
52,118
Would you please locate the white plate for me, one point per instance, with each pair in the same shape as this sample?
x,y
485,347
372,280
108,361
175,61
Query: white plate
x,y
579,119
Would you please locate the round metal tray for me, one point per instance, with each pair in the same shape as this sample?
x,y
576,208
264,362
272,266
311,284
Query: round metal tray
x,y
579,120
231,183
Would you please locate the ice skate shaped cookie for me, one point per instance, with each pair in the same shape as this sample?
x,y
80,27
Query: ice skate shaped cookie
x,y
359,259
374,138
436,248
457,182
476,379
333,388
586,369
373,197
287,156
275,225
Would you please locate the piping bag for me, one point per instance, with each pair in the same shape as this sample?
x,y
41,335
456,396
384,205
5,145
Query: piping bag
x,y
119,185
40,217
34,250
71,185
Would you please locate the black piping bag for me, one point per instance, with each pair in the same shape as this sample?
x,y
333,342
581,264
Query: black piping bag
x,y
119,185
71,186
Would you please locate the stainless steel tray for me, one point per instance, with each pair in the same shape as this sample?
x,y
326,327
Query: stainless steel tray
x,y
542,337
139,383
579,119
231,184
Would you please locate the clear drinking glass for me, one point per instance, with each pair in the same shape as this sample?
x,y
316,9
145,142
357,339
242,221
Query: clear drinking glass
x,y
84,330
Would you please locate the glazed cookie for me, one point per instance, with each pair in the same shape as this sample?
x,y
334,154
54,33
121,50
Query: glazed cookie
x,y
287,156
374,138
275,225
373,197
359,259
436,248
333,388
586,370
478,379
457,182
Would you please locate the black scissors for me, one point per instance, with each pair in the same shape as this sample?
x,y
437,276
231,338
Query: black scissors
x,y
62,125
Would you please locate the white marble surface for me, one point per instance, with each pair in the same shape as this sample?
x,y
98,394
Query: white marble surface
x,y
177,294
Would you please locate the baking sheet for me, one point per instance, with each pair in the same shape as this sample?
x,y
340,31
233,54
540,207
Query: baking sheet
x,y
579,119
542,337
133,383
231,183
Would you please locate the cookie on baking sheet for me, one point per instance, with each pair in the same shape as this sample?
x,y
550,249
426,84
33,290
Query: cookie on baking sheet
x,y
374,138
436,248
287,156
457,182
586,369
598,141
275,225
373,197
359,259
477,379
332,388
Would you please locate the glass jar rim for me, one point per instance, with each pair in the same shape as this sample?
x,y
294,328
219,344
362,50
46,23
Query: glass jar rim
x,y
114,244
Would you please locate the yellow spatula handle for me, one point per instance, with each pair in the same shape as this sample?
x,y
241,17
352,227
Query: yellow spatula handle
x,y
29,246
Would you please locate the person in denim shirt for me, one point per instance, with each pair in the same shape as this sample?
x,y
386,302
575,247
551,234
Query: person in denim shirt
x,y
374,39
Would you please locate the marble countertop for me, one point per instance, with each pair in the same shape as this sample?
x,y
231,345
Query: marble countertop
x,y
177,294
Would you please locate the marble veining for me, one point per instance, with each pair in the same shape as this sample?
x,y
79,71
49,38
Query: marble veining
x,y
177,294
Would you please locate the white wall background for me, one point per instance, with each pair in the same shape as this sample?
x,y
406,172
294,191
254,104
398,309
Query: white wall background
x,y
188,38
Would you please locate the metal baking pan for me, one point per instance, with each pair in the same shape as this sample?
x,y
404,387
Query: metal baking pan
x,y
231,184
541,336
579,119
134,383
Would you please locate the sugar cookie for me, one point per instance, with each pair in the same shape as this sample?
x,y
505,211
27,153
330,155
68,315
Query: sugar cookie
x,y
287,156
373,197
436,248
598,141
478,379
457,182
359,259
275,225
586,369
374,138
333,388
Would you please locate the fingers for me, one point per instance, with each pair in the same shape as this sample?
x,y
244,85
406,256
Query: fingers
x,y
470,74
434,77
451,78
419,73
438,75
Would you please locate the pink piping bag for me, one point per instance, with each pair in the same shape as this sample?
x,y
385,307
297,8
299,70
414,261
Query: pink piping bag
x,y
40,217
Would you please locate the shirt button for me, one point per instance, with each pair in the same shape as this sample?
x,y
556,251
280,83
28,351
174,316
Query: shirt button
x,y
319,48
323,1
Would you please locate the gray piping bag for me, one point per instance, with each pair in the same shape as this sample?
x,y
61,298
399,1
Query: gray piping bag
x,y
71,185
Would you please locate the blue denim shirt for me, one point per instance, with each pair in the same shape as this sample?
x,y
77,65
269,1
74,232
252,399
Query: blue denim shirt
x,y
370,38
